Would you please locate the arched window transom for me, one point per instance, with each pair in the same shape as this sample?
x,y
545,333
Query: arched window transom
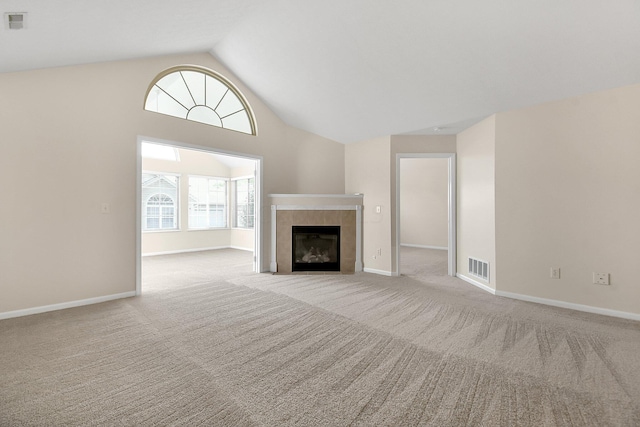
x,y
200,95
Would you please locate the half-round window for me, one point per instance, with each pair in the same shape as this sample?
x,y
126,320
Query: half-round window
x,y
200,95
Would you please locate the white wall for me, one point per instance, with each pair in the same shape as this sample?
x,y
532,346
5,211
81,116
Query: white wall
x,y
69,144
476,211
424,206
568,196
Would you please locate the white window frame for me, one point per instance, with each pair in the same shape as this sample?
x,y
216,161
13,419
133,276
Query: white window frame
x,y
234,201
186,98
176,205
226,206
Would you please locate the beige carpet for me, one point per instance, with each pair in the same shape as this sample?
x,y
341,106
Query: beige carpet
x,y
320,350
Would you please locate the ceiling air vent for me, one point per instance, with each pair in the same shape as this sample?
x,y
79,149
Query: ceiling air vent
x,y
15,20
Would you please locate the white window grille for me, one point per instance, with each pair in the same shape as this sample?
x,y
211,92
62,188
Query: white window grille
x,y
159,202
244,203
207,202
200,95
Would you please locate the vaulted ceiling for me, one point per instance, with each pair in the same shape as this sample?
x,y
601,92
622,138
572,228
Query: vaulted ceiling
x,y
351,70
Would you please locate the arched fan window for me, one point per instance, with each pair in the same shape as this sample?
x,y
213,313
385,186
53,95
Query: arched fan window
x,y
201,95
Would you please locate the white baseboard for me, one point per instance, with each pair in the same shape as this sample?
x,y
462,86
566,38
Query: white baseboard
x,y
409,245
62,306
570,305
552,302
380,272
476,283
241,249
183,251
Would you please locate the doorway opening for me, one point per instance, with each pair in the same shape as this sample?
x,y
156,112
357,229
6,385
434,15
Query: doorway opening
x,y
194,201
425,213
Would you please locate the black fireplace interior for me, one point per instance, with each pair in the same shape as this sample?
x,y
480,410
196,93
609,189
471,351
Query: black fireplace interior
x,y
315,248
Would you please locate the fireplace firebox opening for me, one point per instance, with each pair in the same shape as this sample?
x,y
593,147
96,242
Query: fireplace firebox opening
x,y
315,248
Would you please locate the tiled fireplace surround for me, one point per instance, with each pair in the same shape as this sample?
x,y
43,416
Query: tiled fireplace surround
x,y
343,210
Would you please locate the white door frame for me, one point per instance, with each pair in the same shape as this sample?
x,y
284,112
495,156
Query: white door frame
x,y
451,193
257,252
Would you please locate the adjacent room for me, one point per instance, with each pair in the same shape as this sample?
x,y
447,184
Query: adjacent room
x,y
320,213
425,215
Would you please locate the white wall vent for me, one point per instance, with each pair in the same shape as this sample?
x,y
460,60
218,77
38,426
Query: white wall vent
x,y
15,20
479,268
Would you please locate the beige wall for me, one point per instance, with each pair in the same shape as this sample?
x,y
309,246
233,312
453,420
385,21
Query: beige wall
x,y
368,171
568,196
371,169
69,144
242,239
476,180
424,203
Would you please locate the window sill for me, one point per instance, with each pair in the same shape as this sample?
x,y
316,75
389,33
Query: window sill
x,y
209,229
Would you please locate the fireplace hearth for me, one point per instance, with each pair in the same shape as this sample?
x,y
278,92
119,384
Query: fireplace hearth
x,y
315,248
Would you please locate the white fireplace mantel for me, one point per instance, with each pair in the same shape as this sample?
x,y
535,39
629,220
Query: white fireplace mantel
x,y
323,202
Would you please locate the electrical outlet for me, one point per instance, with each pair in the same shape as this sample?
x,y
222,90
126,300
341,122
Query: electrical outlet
x,y
379,251
600,278
555,272
378,209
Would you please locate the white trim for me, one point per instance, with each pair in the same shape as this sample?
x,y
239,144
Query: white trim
x,y
240,248
182,251
64,305
476,283
199,148
380,272
552,302
273,267
257,215
139,216
316,208
440,248
359,263
451,196
570,305
325,196
426,155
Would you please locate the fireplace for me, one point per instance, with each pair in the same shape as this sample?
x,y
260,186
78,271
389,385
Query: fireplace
x,y
315,248
341,211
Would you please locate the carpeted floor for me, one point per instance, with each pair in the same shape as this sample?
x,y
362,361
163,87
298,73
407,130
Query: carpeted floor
x,y
240,349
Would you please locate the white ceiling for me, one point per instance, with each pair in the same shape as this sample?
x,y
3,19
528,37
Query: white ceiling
x,y
351,70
